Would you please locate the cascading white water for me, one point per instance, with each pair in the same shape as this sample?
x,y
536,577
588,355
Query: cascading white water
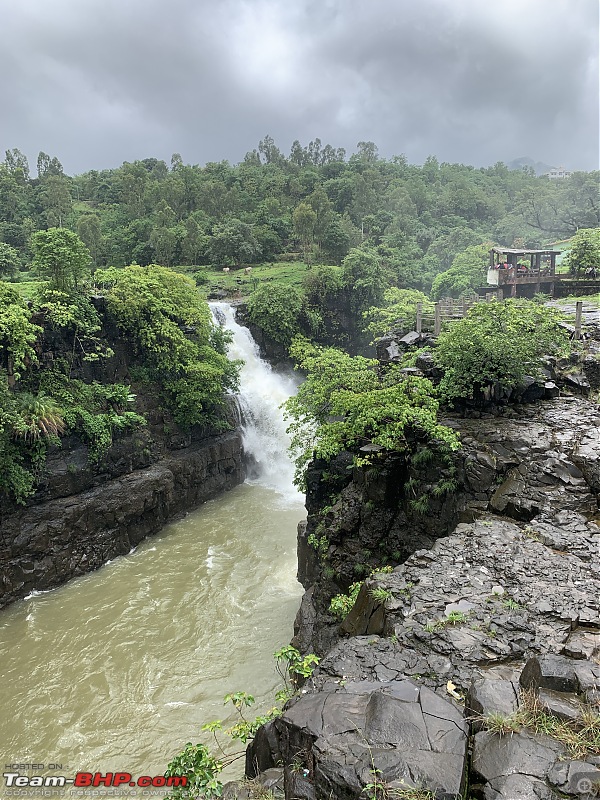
x,y
262,391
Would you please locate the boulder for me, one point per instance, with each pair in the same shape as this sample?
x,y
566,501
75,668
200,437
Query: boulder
x,y
396,733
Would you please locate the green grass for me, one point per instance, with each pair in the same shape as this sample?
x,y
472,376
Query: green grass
x,y
580,737
236,282
587,299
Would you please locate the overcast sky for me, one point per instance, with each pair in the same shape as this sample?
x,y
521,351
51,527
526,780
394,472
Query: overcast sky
x,y
99,82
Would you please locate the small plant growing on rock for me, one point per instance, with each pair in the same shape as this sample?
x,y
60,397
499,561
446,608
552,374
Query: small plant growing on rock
x,y
502,724
382,570
420,505
444,487
318,543
453,618
381,594
341,605
512,605
296,666
531,533
201,770
377,789
581,737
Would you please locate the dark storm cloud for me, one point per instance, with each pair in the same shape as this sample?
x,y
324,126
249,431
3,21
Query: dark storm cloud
x,y
97,82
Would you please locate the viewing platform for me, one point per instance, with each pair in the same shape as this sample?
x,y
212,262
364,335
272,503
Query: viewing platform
x,y
534,271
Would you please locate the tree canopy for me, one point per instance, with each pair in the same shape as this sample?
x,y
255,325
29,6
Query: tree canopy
x,y
171,328
585,251
60,257
316,200
465,275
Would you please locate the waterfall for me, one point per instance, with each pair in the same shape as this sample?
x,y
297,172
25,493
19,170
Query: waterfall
x,y
262,391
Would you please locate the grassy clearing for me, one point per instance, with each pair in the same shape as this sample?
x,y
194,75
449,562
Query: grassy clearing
x,y
237,283
27,289
587,299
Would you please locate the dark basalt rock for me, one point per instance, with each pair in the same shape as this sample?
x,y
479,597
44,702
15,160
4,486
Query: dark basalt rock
x,y
519,619
396,733
50,542
478,612
515,766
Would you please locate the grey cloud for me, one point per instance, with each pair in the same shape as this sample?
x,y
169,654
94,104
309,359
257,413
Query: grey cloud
x,y
103,81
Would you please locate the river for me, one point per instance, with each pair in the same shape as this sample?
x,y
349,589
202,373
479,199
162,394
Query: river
x,y
117,670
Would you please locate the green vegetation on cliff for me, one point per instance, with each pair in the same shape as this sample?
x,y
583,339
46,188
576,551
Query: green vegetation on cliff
x,y
56,356
346,404
496,344
178,347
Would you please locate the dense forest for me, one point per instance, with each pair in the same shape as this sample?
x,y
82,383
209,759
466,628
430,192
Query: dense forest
x,y
313,204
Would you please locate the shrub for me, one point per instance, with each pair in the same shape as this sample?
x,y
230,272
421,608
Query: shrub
x,y
343,404
496,343
275,309
171,329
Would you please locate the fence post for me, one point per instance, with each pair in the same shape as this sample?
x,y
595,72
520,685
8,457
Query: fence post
x,y
419,317
578,309
437,321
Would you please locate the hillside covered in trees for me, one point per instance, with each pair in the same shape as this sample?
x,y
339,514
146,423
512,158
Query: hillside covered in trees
x,y
314,204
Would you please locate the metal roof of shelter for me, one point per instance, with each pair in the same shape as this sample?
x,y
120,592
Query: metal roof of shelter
x,y
517,252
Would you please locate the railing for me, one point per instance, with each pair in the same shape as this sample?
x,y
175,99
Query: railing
x,y
447,309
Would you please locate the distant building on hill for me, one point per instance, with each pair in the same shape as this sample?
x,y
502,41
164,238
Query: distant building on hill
x,y
558,172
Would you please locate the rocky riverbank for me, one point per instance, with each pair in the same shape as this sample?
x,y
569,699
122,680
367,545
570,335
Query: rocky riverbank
x,y
85,517
475,664
92,504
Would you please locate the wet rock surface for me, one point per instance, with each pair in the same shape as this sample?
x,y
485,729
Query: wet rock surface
x,y
394,733
495,607
489,596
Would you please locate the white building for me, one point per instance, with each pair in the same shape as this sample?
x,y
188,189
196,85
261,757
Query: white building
x,y
559,172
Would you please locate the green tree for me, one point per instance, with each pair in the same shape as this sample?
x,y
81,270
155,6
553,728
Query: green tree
x,y
166,244
305,220
9,260
56,199
171,329
363,276
495,344
344,405
16,162
60,257
233,243
466,274
276,309
399,311
90,232
195,240
17,333
585,251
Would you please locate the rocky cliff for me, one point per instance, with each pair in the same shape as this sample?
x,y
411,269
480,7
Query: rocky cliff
x,y
87,508
473,666
71,533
